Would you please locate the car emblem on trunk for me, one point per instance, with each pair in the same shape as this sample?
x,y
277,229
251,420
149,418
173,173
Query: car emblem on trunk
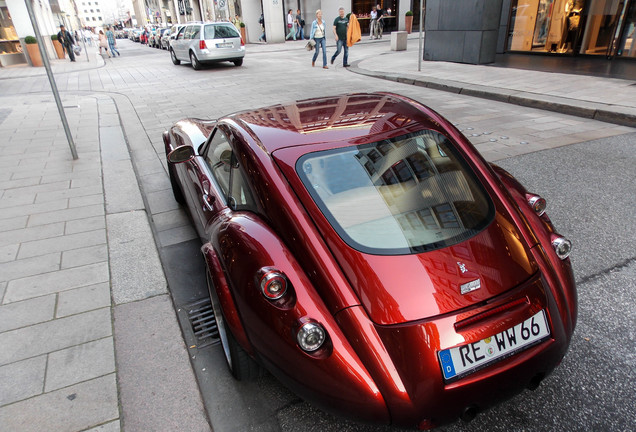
x,y
462,267
470,286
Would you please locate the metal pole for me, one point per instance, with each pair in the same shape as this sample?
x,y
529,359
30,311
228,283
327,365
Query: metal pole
x,y
421,54
47,66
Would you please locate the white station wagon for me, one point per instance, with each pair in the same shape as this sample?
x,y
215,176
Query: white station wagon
x,y
207,43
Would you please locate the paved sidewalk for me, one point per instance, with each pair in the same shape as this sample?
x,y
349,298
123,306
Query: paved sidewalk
x,y
88,332
606,99
87,60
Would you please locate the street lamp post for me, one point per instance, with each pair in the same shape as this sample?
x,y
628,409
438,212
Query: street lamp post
x,y
47,66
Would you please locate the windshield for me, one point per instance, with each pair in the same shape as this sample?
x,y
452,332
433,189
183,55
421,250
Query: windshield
x,y
406,195
220,32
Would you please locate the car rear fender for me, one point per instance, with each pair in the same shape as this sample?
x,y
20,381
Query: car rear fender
x,y
246,246
225,297
558,272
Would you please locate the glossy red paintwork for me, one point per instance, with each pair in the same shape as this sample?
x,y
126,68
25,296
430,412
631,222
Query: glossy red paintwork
x,y
387,317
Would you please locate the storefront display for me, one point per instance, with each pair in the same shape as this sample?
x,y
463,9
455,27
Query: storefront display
x,y
362,9
10,48
591,27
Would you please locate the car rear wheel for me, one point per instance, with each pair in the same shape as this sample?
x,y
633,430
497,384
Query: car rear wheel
x,y
241,365
238,62
175,60
196,65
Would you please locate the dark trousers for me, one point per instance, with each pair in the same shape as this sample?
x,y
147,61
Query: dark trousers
x,y
69,50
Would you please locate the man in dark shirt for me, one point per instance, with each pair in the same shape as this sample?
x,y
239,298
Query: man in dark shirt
x,y
66,39
380,23
340,27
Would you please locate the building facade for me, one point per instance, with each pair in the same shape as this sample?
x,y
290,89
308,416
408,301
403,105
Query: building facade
x,y
90,13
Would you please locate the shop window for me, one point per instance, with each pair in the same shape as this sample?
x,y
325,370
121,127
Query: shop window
x,y
602,19
627,46
545,25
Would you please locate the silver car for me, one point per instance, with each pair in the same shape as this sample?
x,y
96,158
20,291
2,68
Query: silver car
x,y
207,43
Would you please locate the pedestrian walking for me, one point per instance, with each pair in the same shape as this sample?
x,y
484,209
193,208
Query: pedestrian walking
x,y
340,27
261,21
374,22
379,25
319,35
67,41
300,26
103,43
112,42
291,25
236,21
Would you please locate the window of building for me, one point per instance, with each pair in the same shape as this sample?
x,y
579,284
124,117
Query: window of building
x,y
627,47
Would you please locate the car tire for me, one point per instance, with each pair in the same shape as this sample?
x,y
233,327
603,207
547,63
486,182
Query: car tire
x,y
176,190
196,65
174,58
238,62
241,365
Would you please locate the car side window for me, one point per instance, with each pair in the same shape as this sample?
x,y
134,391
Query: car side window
x,y
195,32
219,157
240,194
181,34
188,32
226,171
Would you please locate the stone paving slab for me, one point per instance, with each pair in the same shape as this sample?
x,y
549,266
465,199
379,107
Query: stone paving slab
x,y
83,299
136,271
82,406
22,380
57,281
27,312
152,360
54,335
80,363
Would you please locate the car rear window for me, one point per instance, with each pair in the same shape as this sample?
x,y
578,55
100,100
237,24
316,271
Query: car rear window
x,y
220,32
406,195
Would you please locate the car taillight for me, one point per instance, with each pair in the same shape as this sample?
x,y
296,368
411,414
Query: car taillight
x,y
562,246
311,336
537,203
202,44
242,42
273,285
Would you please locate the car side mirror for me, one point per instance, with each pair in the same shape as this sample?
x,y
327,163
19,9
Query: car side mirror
x,y
181,154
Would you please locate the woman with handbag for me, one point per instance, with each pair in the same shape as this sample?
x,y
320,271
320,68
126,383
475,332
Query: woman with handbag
x,y
319,35
291,26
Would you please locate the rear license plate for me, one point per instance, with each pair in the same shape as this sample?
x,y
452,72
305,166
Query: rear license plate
x,y
225,45
462,360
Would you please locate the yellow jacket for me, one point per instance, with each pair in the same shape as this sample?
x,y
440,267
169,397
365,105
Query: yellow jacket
x,y
353,32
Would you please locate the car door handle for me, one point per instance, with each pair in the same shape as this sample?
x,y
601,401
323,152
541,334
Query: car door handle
x,y
208,200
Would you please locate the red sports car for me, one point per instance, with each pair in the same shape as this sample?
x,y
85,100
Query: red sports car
x,y
363,251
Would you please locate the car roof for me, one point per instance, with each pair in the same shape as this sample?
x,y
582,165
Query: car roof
x,y
354,117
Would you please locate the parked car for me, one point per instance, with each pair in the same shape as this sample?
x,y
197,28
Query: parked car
x,y
164,42
155,38
135,35
207,43
174,30
363,251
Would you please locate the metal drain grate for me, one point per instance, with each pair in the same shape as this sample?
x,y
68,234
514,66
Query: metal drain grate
x,y
203,323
